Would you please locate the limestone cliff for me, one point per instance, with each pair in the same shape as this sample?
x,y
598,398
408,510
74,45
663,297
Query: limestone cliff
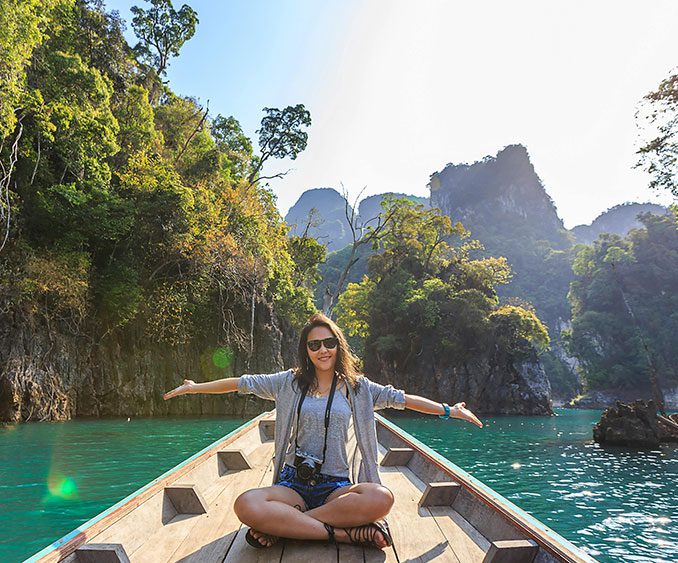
x,y
48,374
488,385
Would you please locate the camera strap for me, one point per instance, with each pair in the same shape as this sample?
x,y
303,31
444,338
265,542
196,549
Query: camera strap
x,y
327,415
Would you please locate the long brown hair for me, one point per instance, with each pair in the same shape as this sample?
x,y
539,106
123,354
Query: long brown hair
x,y
346,362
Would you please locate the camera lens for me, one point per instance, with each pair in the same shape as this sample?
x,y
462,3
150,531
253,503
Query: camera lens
x,y
306,469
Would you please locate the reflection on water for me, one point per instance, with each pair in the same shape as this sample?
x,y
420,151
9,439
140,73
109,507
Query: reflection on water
x,y
617,504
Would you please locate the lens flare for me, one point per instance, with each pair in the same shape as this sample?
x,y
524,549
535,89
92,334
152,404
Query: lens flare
x,y
61,486
222,357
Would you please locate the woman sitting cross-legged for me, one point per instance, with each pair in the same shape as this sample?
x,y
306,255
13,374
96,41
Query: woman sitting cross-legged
x,y
313,497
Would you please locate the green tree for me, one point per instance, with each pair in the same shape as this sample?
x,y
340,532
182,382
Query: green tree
x,y
623,302
281,135
162,32
659,155
424,294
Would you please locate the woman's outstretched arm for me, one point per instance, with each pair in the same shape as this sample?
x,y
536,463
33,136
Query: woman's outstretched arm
x,y
227,385
422,404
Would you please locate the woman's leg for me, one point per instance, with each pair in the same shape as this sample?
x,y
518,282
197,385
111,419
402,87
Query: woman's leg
x,y
277,511
354,505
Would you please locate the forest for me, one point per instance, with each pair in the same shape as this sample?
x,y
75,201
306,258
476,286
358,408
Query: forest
x,y
127,209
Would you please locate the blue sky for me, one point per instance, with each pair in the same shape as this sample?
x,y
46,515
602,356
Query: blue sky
x,y
398,88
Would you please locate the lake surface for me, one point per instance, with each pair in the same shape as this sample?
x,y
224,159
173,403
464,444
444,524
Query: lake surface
x,y
619,505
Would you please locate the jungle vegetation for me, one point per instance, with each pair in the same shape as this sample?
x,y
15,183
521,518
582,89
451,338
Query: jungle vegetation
x,y
125,203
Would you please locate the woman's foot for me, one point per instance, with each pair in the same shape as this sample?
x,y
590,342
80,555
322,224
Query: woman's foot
x,y
376,534
264,540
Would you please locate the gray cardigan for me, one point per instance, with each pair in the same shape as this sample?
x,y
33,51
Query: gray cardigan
x,y
364,399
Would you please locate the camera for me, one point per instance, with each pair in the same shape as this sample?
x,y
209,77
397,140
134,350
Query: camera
x,y
308,467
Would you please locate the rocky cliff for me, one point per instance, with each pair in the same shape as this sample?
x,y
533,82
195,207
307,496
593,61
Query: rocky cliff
x,y
49,374
618,220
488,385
323,211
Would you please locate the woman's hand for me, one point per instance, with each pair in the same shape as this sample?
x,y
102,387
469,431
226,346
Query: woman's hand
x,y
460,411
187,387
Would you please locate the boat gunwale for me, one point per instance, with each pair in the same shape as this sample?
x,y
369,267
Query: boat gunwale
x,y
68,543
547,538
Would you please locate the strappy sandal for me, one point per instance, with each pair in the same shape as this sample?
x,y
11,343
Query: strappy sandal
x,y
366,535
330,534
254,542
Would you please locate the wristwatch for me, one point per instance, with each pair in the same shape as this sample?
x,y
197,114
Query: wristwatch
x,y
447,411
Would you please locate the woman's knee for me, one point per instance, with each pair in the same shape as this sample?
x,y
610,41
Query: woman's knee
x,y
247,505
380,499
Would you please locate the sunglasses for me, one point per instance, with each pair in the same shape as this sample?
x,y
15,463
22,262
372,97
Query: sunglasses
x,y
330,343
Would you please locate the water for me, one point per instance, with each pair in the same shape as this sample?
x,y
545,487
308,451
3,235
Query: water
x,y
55,476
617,504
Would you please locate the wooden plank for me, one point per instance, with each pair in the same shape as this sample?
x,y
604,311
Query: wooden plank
x,y
296,551
397,456
415,532
186,499
439,494
233,459
101,553
240,551
468,544
351,553
512,551
211,536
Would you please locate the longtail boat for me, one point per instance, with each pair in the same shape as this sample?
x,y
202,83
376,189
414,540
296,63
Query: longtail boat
x,y
441,513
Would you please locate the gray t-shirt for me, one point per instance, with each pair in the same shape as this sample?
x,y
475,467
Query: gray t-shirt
x,y
312,432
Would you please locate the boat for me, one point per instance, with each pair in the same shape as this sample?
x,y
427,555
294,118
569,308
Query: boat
x,y
441,513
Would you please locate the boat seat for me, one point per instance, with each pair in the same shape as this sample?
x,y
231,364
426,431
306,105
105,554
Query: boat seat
x,y
186,499
397,456
267,430
439,494
101,553
235,460
511,551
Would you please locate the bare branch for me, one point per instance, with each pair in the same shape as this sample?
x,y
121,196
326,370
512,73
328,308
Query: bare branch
x,y
202,120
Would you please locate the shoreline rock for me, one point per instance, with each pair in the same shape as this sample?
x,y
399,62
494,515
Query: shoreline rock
x,y
634,425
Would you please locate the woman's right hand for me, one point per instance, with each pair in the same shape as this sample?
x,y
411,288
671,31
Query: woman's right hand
x,y
187,387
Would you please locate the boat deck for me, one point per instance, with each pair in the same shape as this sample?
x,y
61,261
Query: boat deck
x,y
186,515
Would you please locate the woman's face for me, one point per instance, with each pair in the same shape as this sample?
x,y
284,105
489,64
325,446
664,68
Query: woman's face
x,y
323,359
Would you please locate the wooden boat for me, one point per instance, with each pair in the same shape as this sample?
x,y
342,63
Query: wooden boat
x,y
441,513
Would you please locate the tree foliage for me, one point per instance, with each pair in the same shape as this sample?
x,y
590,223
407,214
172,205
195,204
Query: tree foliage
x,y
162,31
131,209
425,292
659,155
624,300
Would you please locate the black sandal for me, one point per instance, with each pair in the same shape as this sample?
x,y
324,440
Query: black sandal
x,y
330,534
254,542
365,535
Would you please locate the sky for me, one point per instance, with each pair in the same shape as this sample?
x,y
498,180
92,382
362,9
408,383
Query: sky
x,y
397,88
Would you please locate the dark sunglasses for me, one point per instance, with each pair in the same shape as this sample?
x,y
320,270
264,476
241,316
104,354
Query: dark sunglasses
x,y
330,343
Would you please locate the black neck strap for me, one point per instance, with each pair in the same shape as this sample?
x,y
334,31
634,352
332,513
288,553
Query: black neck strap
x,y
327,415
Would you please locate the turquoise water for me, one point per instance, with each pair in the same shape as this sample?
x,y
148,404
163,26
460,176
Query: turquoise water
x,y
617,504
55,476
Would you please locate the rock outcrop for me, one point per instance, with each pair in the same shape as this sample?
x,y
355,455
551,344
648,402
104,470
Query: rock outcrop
x,y
486,385
47,374
633,425
618,220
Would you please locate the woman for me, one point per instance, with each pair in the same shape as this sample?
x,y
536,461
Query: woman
x,y
312,497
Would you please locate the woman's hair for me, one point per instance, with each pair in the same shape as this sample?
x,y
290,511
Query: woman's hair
x,y
346,362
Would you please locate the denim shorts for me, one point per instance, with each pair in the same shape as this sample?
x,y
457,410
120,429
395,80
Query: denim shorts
x,y
313,495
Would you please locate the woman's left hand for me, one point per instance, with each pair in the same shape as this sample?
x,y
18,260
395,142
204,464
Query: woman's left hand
x,y
460,411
